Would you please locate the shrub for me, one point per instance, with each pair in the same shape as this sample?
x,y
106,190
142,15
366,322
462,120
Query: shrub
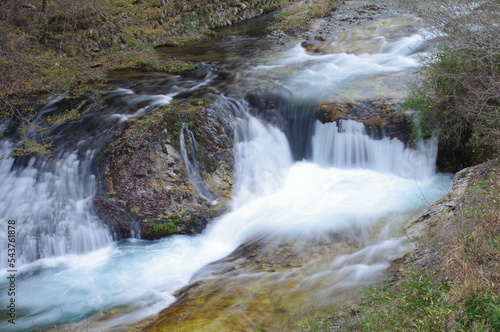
x,y
458,94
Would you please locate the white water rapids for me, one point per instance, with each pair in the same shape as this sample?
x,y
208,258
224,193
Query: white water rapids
x,y
351,182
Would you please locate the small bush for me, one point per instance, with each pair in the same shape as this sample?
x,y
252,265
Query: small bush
x,y
458,94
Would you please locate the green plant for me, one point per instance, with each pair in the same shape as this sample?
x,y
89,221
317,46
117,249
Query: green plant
x,y
164,228
457,95
481,313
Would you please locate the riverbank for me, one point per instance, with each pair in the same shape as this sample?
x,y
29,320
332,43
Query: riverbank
x,y
63,46
71,50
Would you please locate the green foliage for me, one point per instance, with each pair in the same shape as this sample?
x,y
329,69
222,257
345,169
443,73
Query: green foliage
x,y
169,227
482,313
435,97
457,96
418,305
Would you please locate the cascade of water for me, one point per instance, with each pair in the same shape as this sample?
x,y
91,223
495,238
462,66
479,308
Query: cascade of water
x,y
51,200
52,207
346,145
189,153
262,158
275,195
350,182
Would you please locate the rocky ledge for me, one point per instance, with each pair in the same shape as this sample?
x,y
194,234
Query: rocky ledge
x,y
437,221
382,118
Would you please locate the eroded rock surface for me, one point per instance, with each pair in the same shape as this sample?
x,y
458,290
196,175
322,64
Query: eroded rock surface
x,y
437,220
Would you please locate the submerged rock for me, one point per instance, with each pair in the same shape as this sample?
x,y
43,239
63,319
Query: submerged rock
x,y
256,286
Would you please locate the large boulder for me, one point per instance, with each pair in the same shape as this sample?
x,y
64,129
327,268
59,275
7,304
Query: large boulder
x,y
147,189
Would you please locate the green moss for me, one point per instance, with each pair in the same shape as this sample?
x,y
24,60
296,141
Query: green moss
x,y
176,67
162,229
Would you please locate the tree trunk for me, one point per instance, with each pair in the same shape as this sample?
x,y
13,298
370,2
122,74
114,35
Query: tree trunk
x,y
44,4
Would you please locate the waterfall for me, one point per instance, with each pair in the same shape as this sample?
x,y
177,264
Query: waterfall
x,y
346,145
302,181
52,207
275,195
262,158
51,199
189,154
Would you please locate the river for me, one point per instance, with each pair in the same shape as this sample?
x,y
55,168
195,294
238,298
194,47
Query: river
x,y
329,184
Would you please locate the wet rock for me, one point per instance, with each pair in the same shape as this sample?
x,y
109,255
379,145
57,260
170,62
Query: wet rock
x,y
146,178
440,218
120,220
380,117
258,282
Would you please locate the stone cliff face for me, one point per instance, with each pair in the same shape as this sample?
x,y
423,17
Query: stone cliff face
x,y
147,188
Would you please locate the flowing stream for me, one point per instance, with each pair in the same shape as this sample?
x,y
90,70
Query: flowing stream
x,y
342,181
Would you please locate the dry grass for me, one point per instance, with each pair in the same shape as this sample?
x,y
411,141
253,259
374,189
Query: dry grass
x,y
473,257
297,14
465,249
